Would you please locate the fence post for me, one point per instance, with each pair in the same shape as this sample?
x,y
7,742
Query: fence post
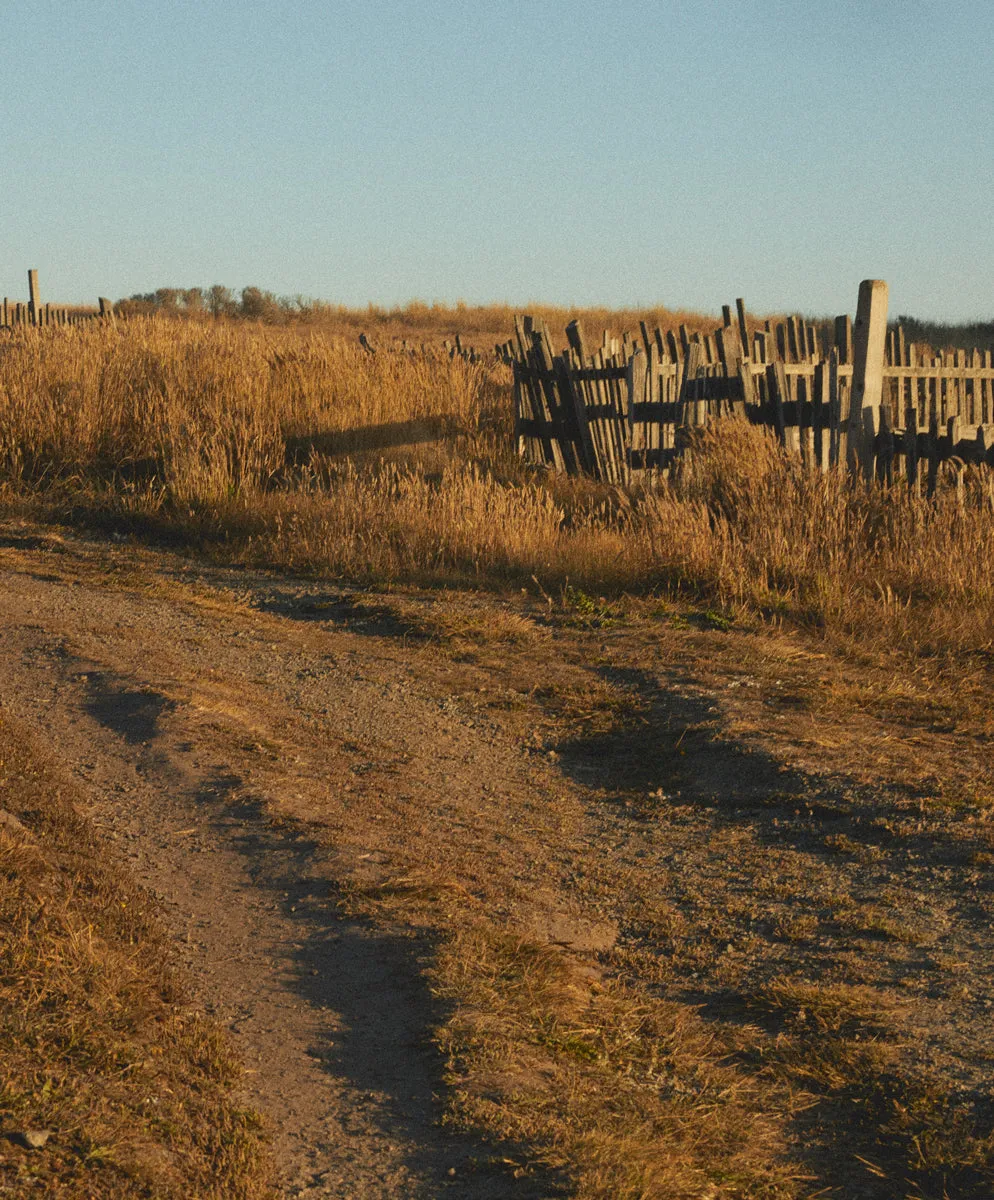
x,y
869,338
34,299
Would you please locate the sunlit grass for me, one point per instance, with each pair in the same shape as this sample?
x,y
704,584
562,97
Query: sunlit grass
x,y
283,446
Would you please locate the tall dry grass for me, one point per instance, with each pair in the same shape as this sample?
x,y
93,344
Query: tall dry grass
x,y
494,323
286,447
417,321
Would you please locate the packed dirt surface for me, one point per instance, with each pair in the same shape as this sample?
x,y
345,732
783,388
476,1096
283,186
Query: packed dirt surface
x,y
256,746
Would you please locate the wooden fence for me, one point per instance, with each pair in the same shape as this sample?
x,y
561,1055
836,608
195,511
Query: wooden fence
x,y
869,401
33,312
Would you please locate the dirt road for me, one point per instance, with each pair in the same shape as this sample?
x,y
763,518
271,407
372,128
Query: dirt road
x,y
194,716
255,745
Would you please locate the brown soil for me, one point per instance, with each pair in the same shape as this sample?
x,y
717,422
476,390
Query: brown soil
x,y
735,807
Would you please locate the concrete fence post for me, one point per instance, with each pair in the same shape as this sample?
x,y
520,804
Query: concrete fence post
x,y
869,337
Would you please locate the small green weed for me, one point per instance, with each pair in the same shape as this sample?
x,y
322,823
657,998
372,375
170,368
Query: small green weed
x,y
582,609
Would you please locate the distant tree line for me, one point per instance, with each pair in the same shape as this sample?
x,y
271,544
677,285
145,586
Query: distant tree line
x,y
973,335
252,303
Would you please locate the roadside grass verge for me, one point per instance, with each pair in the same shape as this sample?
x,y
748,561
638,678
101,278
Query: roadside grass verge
x,y
98,1049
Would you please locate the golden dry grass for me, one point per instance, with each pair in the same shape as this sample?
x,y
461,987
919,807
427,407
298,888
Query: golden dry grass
x,y
284,447
418,322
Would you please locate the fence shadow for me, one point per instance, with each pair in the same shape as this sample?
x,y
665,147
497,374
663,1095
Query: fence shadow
x,y
389,435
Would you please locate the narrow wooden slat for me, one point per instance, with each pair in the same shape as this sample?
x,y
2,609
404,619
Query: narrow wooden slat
x,y
776,385
652,437
741,405
563,434
647,338
574,335
910,448
729,349
637,432
618,392
687,400
537,382
612,443
885,448
740,309
820,415
933,455
836,446
710,349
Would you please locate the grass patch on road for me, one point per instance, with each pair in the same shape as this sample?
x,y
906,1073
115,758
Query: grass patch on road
x,y
624,1092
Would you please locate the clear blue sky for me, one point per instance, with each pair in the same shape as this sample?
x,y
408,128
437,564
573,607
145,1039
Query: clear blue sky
x,y
681,153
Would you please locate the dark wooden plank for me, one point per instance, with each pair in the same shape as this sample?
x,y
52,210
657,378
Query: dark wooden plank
x,y
910,448
574,335
573,400
647,338
843,338
837,414
564,432
820,416
885,448
776,389
740,310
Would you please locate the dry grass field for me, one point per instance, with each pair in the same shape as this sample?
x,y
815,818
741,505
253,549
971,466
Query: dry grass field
x,y
285,448
758,704
480,325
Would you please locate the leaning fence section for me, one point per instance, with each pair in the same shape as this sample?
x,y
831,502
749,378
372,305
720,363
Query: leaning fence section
x,y
850,394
